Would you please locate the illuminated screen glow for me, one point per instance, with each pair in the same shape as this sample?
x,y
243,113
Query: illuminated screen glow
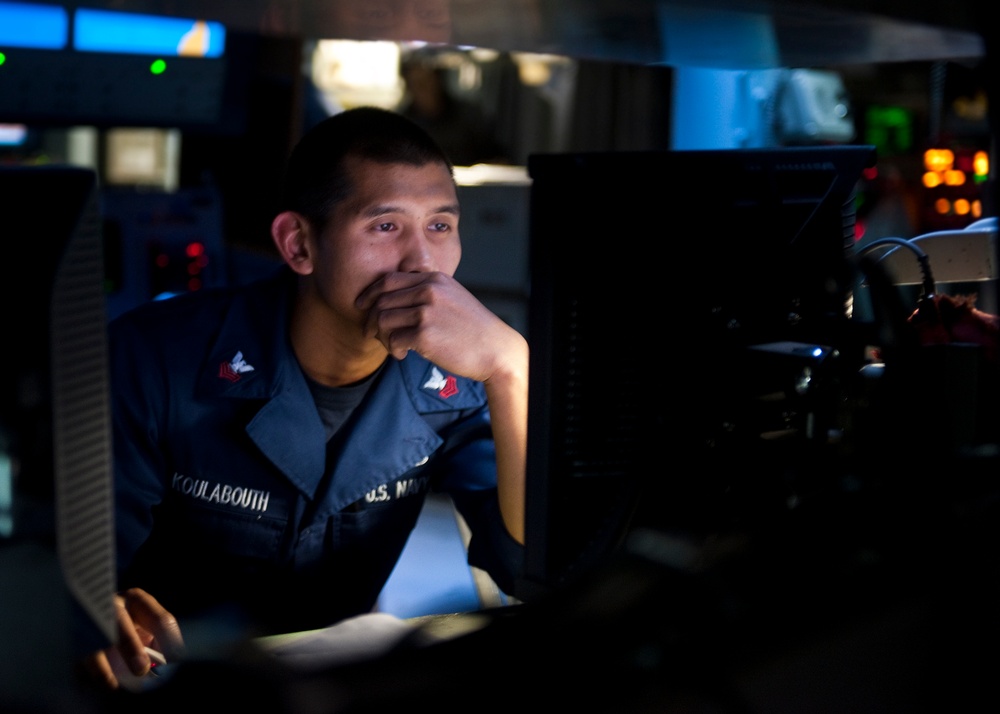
x,y
44,27
106,31
13,134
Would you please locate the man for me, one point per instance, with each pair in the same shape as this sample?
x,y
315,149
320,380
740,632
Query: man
x,y
459,126
274,443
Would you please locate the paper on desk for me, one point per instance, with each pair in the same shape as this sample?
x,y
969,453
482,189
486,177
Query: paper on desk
x,y
355,639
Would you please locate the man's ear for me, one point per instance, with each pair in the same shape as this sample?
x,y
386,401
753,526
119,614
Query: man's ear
x,y
290,232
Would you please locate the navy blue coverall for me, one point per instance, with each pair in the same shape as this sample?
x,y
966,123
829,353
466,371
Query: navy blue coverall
x,y
228,496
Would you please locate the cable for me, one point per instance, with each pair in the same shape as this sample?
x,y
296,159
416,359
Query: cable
x,y
928,284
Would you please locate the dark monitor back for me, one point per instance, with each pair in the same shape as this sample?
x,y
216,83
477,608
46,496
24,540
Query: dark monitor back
x,y
671,293
56,528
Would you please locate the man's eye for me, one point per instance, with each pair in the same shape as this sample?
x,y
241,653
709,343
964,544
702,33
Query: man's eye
x,y
384,227
439,227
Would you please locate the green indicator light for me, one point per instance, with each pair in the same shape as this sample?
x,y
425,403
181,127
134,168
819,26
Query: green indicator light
x,y
158,67
3,58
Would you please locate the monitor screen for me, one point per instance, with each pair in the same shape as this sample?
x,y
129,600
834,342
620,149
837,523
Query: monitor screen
x,y
676,300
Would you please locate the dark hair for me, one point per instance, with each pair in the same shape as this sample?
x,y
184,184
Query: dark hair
x,y
316,177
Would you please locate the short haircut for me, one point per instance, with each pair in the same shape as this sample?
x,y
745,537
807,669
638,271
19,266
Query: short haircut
x,y
316,174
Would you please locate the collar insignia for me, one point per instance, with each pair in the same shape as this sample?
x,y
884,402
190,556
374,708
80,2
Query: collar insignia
x,y
234,368
444,386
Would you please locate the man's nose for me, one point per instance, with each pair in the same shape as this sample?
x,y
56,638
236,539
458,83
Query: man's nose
x,y
416,256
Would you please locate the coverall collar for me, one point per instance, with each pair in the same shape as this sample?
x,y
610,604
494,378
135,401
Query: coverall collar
x,y
287,428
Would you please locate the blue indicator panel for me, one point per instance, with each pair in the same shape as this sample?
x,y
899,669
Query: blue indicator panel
x,y
13,134
43,27
106,31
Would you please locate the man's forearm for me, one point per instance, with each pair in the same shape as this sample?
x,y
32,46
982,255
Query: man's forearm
x,y
507,392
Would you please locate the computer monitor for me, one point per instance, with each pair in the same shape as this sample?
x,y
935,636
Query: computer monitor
x,y
56,528
677,299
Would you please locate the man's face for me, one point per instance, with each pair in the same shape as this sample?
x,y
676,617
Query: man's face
x,y
398,218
